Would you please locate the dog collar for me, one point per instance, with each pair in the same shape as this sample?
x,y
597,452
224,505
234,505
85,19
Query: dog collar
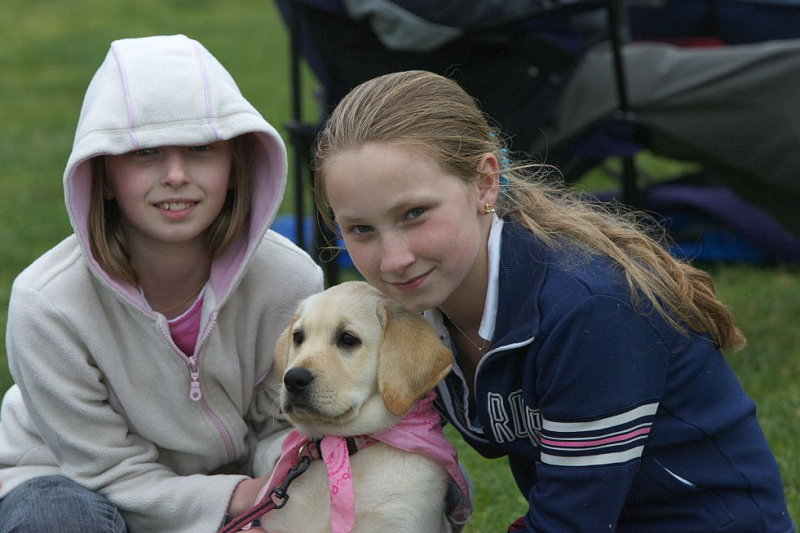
x,y
311,448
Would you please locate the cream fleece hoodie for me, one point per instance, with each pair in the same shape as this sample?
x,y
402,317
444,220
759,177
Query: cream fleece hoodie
x,y
102,392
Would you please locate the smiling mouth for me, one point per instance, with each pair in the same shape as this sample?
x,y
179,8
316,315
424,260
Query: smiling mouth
x,y
175,206
412,283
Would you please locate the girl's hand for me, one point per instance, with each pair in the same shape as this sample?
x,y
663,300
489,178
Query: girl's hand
x,y
245,495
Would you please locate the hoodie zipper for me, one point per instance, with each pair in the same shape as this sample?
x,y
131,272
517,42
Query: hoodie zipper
x,y
191,362
195,392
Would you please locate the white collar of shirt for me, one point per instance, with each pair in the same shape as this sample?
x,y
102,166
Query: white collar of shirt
x,y
490,306
489,316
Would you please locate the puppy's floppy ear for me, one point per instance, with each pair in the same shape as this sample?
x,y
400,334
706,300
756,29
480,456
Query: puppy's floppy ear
x,y
412,358
282,347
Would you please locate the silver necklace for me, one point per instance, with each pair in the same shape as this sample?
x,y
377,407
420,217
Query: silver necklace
x,y
480,347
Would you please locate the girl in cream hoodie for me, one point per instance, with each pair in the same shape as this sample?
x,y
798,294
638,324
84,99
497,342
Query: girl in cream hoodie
x,y
141,346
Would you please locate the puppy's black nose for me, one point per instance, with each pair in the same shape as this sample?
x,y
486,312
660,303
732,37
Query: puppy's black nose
x,y
298,379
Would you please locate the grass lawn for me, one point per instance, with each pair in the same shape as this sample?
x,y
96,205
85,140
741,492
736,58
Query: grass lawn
x,y
50,51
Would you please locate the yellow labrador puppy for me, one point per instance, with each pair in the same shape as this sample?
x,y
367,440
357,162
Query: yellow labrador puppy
x,y
354,363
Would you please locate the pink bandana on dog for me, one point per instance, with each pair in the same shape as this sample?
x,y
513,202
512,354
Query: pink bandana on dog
x,y
419,431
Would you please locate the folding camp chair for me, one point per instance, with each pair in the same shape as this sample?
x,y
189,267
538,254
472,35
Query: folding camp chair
x,y
303,18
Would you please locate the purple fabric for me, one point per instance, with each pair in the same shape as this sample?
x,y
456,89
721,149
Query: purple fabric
x,y
724,205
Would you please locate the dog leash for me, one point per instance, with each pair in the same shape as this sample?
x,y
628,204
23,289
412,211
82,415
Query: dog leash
x,y
277,496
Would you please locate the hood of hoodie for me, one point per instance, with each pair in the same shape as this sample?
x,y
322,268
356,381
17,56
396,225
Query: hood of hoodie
x,y
163,91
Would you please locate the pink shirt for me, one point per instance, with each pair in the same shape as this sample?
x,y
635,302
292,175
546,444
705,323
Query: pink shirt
x,y
186,327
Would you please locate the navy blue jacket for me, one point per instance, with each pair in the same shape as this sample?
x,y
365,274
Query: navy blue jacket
x,y
611,419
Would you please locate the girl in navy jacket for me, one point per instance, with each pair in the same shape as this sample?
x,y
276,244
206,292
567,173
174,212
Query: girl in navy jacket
x,y
586,354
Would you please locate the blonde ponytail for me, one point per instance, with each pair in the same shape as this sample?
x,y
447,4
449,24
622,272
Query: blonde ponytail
x,y
433,114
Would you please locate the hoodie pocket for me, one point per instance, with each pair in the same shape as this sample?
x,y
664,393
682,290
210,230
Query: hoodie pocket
x,y
680,488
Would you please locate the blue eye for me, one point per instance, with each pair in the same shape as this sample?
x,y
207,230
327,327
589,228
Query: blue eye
x,y
360,229
415,212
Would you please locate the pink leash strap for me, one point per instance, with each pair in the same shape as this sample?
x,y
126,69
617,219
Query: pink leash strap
x,y
299,451
278,496
340,481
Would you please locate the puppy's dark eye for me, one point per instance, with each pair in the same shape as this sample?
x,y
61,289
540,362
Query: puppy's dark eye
x,y
298,337
348,340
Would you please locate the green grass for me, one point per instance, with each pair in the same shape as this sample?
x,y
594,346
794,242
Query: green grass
x,y
50,51
767,304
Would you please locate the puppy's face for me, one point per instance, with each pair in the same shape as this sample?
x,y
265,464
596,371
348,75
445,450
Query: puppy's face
x,y
354,361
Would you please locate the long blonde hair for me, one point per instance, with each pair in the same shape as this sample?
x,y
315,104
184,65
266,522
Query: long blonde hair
x,y
433,114
105,229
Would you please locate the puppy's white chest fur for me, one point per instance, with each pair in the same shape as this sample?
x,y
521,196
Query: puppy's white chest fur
x,y
394,491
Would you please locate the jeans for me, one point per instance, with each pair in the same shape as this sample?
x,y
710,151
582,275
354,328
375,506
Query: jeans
x,y
58,504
